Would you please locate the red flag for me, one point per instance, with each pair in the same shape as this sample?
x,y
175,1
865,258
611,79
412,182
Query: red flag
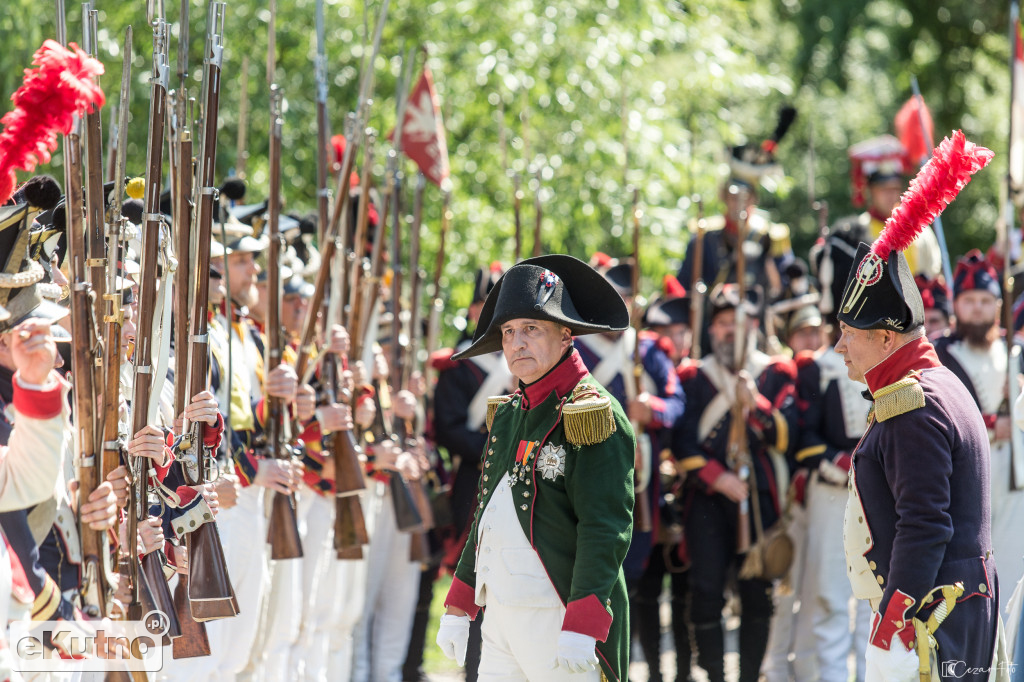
x,y
423,138
915,129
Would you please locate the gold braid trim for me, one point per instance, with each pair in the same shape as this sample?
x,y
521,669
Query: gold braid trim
x,y
906,395
587,417
492,406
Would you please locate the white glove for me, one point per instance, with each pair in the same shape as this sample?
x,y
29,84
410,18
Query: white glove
x,y
576,652
893,665
453,637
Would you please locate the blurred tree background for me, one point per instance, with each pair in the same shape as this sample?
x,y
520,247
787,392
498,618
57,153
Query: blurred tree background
x,y
584,99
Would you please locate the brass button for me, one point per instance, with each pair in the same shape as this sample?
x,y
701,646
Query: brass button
x,y
867,540
192,524
490,451
487,465
983,588
180,530
525,507
494,439
898,624
526,481
207,516
526,493
485,477
607,602
860,519
881,580
485,491
908,601
872,565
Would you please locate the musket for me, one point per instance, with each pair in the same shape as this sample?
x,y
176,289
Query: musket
x,y
113,138
538,211
517,198
95,552
436,304
341,201
112,443
698,287
282,528
149,570
642,458
241,146
738,448
395,179
416,284
95,223
1012,388
210,593
323,124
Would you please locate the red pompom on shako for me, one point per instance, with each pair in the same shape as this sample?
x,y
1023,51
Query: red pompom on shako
x,y
61,87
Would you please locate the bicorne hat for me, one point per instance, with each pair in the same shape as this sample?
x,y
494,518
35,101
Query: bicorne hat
x,y
556,288
975,272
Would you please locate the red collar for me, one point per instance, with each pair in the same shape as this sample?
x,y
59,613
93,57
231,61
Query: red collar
x,y
915,355
562,378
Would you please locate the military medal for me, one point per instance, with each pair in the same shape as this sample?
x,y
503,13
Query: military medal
x,y
526,451
551,462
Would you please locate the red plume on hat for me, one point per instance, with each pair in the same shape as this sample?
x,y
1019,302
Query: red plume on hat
x,y
50,97
939,181
672,286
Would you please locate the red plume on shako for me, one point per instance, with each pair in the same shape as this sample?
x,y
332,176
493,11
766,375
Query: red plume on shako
x,y
880,292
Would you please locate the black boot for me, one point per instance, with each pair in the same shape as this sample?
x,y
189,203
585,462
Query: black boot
x,y
710,650
412,668
648,626
753,644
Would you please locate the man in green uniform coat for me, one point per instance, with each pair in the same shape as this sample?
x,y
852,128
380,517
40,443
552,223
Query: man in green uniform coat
x,y
555,510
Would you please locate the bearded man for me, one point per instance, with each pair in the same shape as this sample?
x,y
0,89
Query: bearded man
x,y
976,352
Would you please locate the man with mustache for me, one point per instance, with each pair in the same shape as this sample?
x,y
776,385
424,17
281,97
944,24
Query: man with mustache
x,y
554,517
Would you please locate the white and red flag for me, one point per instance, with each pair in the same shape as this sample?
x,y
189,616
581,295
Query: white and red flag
x,y
423,138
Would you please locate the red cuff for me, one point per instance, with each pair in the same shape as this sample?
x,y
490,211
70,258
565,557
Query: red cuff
x,y
161,471
311,478
212,434
799,486
894,623
657,406
260,411
588,616
462,596
185,494
843,461
710,472
38,404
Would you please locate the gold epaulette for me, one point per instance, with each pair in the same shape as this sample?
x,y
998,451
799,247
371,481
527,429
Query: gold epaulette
x,y
492,406
906,395
587,416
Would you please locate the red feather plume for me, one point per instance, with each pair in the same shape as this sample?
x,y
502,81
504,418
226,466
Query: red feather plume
x,y
62,87
938,182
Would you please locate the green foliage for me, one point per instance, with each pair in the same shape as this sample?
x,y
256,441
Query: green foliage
x,y
582,100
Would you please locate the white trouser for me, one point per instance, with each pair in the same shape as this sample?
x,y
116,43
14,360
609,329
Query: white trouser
x,y
392,589
316,517
776,666
243,533
520,643
282,618
349,587
822,625
1007,512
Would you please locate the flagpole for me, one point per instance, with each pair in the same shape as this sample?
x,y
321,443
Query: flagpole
x,y
937,224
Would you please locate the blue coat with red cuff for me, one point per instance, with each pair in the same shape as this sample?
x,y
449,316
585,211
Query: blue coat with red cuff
x,y
921,473
772,424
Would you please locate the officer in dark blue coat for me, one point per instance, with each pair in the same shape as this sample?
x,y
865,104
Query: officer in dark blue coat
x,y
764,390
917,526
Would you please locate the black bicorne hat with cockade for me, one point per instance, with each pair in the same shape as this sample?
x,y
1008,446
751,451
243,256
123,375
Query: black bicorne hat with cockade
x,y
880,291
556,288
